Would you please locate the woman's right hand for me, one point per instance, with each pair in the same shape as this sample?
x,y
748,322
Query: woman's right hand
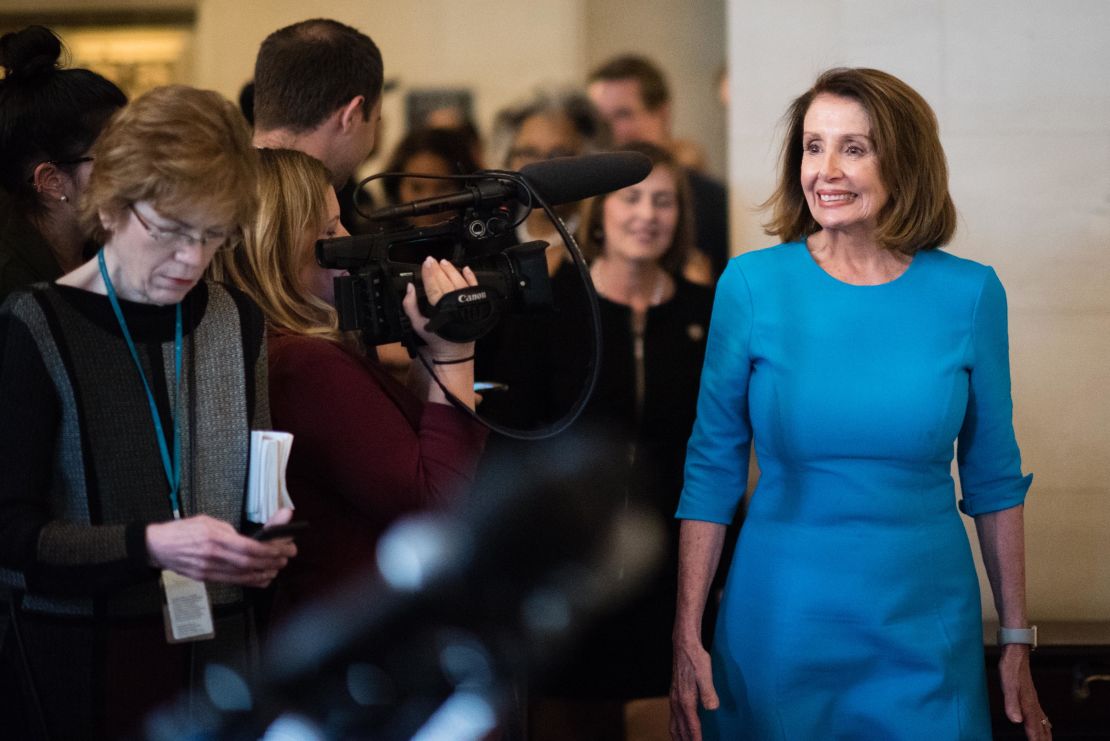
x,y
207,549
439,278
453,361
691,681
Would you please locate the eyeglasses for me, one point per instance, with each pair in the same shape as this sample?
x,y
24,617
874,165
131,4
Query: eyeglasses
x,y
175,238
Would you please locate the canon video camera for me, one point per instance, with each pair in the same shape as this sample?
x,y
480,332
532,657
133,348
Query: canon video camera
x,y
511,277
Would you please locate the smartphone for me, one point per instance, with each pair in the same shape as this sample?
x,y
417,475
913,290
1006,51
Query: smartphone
x,y
288,530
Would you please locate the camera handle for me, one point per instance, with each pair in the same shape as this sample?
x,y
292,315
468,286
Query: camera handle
x,y
463,315
466,314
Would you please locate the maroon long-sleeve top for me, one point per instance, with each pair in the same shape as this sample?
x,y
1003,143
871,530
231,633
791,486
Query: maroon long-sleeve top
x,y
365,451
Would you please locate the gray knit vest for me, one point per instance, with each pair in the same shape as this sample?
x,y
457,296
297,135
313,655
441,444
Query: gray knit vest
x,y
107,468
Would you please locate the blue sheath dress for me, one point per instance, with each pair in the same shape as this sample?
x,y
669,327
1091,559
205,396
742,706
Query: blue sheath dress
x,y
852,610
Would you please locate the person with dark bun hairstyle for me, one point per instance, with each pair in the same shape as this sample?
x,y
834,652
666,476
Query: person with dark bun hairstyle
x,y
49,119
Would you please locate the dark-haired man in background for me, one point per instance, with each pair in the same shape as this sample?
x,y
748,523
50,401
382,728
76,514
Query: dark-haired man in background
x,y
318,89
632,96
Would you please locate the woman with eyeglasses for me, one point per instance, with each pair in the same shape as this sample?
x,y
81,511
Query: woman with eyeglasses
x,y
49,119
128,390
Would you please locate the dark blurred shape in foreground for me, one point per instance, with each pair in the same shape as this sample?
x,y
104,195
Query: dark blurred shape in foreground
x,y
428,645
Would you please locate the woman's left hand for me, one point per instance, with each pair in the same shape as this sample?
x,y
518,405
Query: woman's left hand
x,y
1018,693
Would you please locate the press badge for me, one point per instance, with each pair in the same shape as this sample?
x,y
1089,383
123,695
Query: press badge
x,y
187,613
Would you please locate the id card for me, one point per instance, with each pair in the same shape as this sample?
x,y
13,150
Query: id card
x,y
187,612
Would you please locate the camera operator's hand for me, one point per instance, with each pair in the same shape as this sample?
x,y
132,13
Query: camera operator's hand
x,y
453,361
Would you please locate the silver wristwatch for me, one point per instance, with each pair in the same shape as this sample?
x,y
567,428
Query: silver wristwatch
x,y
1027,636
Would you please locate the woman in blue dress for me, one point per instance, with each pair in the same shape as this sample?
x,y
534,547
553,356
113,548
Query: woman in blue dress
x,y
854,355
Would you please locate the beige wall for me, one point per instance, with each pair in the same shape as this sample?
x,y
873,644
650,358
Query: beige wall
x,y
501,49
1022,90
498,48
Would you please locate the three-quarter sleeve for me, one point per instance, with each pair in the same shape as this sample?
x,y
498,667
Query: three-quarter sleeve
x,y
717,455
987,452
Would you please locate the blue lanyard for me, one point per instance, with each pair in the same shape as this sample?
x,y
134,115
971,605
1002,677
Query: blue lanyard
x,y
171,466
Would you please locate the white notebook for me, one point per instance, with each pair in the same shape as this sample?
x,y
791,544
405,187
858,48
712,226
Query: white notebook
x,y
266,490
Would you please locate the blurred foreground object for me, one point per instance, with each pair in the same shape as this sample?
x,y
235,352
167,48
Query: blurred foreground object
x,y
428,645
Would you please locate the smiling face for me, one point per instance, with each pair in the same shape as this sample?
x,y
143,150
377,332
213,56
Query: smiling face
x,y
840,166
639,221
319,281
155,258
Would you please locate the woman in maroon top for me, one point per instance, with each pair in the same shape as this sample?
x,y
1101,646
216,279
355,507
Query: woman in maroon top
x,y
366,448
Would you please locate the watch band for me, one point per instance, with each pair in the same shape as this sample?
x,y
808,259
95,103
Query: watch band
x,y
1027,636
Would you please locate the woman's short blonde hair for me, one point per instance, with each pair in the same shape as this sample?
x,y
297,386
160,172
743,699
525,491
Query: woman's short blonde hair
x,y
292,192
919,213
178,148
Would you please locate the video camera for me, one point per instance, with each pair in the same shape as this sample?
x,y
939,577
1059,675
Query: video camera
x,y
511,277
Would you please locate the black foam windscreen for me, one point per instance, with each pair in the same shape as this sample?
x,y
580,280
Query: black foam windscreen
x,y
569,179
